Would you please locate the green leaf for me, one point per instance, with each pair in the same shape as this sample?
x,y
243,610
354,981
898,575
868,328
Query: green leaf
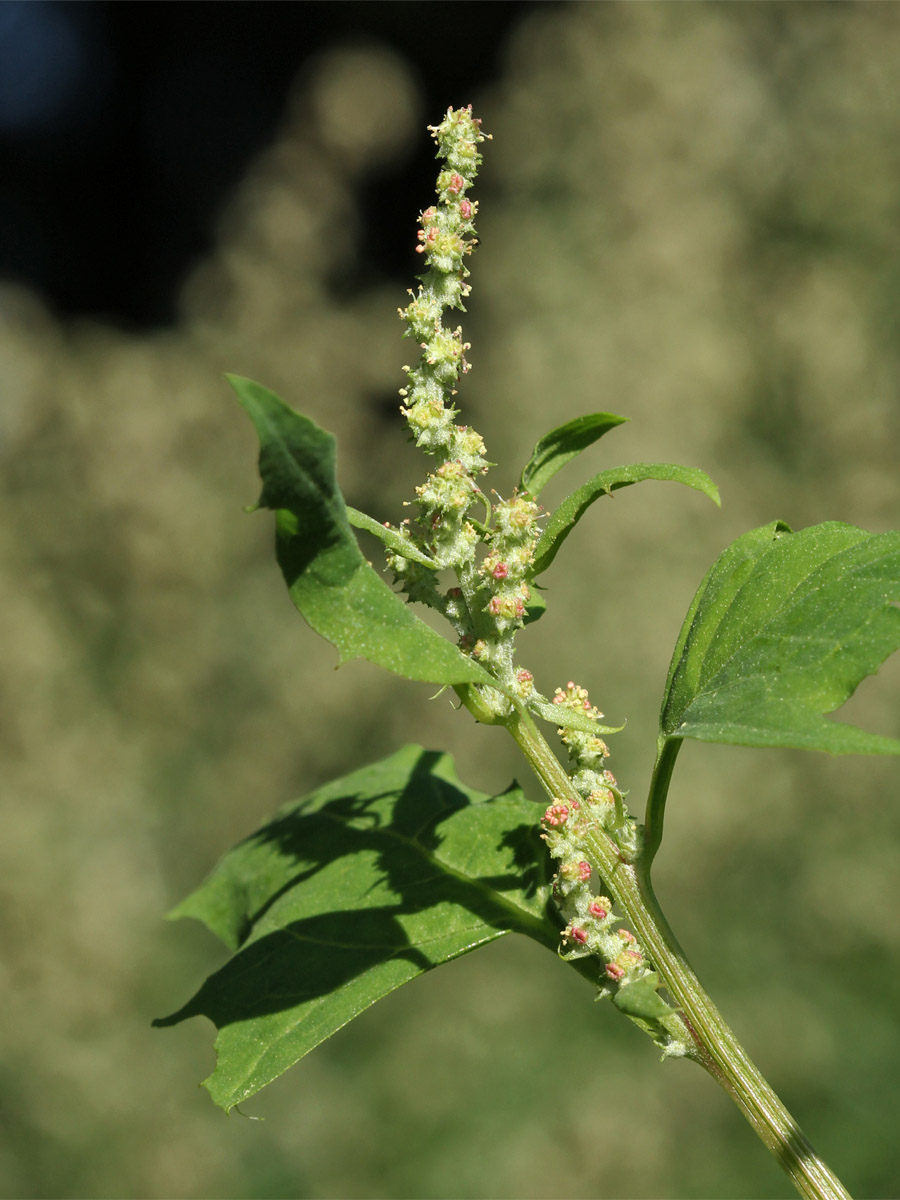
x,y
570,718
642,1000
782,630
390,537
570,512
351,892
535,607
560,445
330,582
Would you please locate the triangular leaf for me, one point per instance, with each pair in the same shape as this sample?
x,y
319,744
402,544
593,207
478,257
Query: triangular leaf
x,y
338,593
350,893
570,512
782,630
561,445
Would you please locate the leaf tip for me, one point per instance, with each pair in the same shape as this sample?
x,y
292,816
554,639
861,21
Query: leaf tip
x,y
243,387
227,1105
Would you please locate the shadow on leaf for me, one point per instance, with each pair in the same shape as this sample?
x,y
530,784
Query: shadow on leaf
x,y
362,886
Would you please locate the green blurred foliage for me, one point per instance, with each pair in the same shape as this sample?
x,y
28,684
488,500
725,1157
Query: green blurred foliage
x,y
690,216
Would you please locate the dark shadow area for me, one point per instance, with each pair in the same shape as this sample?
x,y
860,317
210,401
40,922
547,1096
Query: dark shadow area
x,y
400,831
124,126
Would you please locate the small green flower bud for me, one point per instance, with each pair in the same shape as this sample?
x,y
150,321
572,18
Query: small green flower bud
x,y
458,137
515,518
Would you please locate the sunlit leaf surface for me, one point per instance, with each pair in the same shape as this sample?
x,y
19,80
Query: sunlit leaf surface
x,y
561,445
782,630
339,594
564,519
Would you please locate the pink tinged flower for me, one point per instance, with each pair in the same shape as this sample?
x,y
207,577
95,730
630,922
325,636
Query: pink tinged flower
x,y
495,606
584,870
520,608
556,814
465,209
634,955
614,971
597,910
625,934
576,934
524,676
456,184
500,571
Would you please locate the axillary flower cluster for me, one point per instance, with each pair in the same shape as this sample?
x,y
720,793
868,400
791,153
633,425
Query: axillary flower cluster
x,y
627,974
490,558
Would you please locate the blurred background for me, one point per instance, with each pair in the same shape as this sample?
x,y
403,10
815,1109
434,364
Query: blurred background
x,y
690,214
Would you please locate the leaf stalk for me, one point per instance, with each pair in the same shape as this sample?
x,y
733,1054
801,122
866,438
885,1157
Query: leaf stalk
x,y
656,798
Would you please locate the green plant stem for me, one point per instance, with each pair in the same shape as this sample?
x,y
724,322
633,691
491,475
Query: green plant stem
x,y
717,1048
656,804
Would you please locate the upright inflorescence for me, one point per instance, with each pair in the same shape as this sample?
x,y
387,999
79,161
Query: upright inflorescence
x,y
490,556
446,238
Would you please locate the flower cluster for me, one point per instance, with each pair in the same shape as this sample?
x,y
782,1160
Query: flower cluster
x,y
492,556
446,237
488,605
511,553
588,753
418,582
567,827
589,917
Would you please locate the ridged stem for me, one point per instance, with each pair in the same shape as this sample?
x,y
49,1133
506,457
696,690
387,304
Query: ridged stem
x,y
717,1048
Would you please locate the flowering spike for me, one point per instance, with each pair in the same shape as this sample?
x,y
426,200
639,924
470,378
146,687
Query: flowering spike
x,y
445,239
